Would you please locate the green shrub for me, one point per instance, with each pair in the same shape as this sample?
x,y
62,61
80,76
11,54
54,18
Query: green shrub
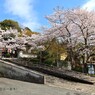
x,y
7,55
63,63
35,60
79,69
49,62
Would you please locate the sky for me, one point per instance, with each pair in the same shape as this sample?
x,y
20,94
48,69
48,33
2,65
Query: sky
x,y
31,13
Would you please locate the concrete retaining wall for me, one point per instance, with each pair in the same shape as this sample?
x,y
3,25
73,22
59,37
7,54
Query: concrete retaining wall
x,y
65,74
13,71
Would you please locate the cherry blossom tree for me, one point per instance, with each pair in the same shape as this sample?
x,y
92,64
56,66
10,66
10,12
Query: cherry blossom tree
x,y
84,23
62,30
73,27
9,39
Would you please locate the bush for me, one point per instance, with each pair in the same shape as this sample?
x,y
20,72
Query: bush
x,y
35,61
7,55
79,69
49,62
63,63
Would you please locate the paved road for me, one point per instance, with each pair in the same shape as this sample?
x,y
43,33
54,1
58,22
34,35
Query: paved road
x,y
14,87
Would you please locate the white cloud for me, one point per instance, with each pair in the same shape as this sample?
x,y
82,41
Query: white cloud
x,y
24,10
35,26
90,5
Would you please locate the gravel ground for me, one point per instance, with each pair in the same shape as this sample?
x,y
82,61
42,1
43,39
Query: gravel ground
x,y
61,83
14,87
53,86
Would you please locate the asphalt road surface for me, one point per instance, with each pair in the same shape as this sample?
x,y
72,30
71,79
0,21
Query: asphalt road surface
x,y
14,87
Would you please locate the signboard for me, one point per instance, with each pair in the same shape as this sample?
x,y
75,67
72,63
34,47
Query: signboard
x,y
91,69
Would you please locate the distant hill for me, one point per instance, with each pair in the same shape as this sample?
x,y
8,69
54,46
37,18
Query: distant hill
x,y
7,23
29,32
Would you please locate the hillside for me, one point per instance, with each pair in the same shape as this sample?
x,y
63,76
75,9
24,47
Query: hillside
x,y
8,23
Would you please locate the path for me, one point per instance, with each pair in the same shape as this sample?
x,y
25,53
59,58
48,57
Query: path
x,y
14,87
